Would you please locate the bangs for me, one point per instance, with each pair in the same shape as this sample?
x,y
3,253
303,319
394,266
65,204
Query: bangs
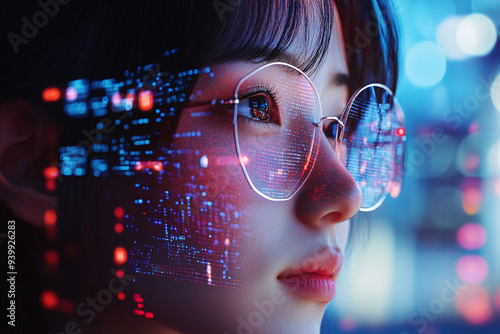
x,y
371,37
269,30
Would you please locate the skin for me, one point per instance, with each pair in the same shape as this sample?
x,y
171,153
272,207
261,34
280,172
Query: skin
x,y
280,234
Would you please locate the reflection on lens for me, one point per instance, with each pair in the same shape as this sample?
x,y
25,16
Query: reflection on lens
x,y
277,128
279,147
372,145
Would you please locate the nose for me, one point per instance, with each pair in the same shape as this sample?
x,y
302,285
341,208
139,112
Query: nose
x,y
330,194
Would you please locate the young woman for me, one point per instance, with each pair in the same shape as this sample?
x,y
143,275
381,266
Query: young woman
x,y
213,192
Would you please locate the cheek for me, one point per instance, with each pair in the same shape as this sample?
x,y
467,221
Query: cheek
x,y
195,225
204,148
343,233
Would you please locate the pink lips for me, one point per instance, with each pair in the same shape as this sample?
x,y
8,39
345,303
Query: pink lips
x,y
314,276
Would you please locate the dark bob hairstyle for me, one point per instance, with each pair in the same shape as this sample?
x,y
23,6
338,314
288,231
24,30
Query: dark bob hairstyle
x,y
98,39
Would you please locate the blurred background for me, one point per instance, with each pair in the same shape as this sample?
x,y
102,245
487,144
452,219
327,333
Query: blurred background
x,y
431,263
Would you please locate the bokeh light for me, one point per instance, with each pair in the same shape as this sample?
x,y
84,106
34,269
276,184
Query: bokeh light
x,y
51,94
145,100
50,218
204,161
497,299
474,304
71,94
473,127
476,35
471,236
425,64
119,212
471,200
49,300
472,268
495,92
51,172
446,38
118,228
120,256
472,195
51,258
50,185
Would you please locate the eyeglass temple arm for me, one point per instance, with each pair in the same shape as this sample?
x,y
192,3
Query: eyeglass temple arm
x,y
333,118
236,101
213,102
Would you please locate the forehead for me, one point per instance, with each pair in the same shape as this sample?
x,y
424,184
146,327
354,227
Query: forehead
x,y
335,61
223,77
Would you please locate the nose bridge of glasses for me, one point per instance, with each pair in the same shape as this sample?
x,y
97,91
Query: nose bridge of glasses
x,y
339,126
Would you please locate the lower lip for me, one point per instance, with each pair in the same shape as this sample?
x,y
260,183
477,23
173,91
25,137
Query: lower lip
x,y
315,286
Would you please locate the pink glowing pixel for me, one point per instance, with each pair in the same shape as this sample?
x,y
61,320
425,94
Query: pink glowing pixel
x,y
471,236
472,268
474,304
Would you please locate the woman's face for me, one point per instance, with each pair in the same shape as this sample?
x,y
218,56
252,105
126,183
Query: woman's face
x,y
253,265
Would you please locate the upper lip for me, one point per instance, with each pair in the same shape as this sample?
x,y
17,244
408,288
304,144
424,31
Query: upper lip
x,y
326,261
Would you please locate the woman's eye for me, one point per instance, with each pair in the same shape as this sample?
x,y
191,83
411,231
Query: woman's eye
x,y
330,130
256,107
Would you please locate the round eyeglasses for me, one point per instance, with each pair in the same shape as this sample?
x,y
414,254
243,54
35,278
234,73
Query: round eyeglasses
x,y
278,122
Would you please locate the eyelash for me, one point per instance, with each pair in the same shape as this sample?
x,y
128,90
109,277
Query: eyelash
x,y
269,92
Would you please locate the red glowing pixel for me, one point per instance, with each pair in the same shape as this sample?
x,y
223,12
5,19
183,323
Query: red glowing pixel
x,y
118,228
138,312
119,212
51,258
50,218
50,173
51,94
152,165
120,255
49,300
145,100
137,298
50,185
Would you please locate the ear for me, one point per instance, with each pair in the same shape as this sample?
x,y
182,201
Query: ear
x,y
27,144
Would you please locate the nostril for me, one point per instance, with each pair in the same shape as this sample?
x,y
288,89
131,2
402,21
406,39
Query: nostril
x,y
332,217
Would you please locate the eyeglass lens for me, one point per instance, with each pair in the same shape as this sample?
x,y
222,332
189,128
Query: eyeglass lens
x,y
277,142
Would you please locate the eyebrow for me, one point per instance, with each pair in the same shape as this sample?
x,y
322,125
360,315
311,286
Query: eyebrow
x,y
340,79
291,59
